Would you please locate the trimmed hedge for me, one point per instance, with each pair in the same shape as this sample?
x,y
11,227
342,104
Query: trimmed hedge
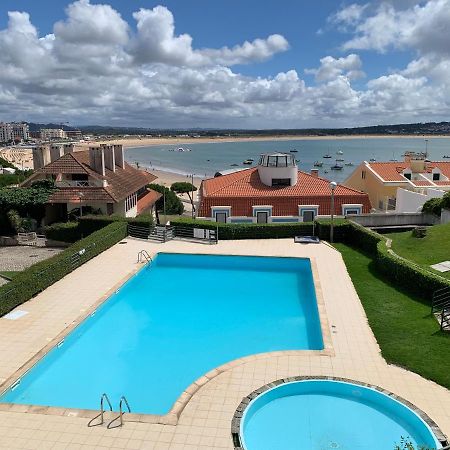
x,y
43,274
64,232
86,225
229,231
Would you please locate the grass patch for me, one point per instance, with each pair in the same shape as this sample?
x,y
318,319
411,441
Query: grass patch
x,y
405,330
432,249
9,274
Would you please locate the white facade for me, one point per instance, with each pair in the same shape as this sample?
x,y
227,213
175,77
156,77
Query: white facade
x,y
52,133
6,132
412,201
21,131
278,169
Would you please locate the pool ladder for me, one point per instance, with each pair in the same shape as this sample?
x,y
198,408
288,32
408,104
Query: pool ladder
x,y
123,401
143,254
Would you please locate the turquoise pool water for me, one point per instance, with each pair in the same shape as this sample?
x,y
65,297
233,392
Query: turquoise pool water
x,y
322,415
177,319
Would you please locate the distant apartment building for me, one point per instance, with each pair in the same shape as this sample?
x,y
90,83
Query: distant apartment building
x,y
402,186
15,131
98,177
74,134
276,192
6,132
48,134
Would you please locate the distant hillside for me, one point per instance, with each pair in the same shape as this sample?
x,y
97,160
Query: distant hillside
x,y
430,128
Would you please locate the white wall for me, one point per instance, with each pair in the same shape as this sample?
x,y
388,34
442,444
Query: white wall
x,y
410,201
119,208
445,215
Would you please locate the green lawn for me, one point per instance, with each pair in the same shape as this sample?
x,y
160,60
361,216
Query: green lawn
x,y
8,274
432,249
406,332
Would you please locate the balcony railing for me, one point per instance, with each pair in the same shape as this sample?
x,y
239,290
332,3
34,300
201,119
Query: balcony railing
x,y
70,183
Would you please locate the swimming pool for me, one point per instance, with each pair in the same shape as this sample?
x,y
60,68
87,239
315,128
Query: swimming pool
x,y
329,414
178,318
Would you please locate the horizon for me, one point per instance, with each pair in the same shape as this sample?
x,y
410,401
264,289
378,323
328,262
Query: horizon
x,y
172,65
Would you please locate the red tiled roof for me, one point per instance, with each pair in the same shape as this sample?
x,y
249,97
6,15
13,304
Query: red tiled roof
x,y
147,200
120,184
244,189
72,195
422,183
392,171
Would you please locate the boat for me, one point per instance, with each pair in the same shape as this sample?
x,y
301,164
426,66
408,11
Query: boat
x,y
293,151
327,156
372,160
446,156
318,163
234,165
181,149
339,152
337,166
349,164
340,159
248,162
325,171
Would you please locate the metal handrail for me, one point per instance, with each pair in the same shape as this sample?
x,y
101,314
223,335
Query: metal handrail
x,y
121,413
102,410
144,254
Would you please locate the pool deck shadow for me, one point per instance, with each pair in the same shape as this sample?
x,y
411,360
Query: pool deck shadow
x,y
201,417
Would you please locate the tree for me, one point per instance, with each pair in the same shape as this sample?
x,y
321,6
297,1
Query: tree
x,y
182,187
173,203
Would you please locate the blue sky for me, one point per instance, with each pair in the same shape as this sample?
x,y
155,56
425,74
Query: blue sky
x,y
371,56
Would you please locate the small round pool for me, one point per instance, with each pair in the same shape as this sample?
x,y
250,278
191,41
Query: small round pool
x,y
328,414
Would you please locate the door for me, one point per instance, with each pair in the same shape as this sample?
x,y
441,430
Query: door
x,y
221,217
262,217
308,216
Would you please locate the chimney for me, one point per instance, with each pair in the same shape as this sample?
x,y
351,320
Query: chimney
x,y
41,156
110,160
68,148
118,154
97,159
56,151
315,173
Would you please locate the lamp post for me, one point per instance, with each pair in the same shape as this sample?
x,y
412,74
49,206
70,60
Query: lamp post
x,y
81,195
333,186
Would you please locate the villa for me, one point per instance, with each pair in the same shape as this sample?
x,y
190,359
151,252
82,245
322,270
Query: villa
x,y
402,186
275,192
98,178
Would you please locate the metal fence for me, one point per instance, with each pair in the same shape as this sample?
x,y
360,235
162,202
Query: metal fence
x,y
167,233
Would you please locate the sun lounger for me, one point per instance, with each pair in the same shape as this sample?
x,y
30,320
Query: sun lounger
x,y
306,240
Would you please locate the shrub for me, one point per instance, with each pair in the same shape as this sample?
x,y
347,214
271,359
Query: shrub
x,y
173,204
445,201
64,232
41,275
432,206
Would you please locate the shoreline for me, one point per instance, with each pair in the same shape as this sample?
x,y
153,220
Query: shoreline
x,y
149,142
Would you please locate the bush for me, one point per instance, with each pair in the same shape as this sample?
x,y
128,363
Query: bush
x,y
432,206
173,204
41,275
64,232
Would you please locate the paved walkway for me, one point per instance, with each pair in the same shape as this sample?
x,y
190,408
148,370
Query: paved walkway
x,y
19,257
205,422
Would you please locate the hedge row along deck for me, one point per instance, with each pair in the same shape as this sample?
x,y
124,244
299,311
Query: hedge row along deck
x,y
41,275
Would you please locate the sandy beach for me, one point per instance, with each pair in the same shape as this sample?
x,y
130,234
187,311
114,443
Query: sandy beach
x,y
146,142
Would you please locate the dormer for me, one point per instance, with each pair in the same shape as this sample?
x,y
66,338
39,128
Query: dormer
x,y
278,169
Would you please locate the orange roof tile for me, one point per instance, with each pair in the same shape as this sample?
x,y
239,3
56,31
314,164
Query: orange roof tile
x,y
392,171
244,189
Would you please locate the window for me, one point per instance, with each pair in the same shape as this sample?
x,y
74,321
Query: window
x,y
350,212
407,175
308,216
272,161
363,174
262,217
221,217
281,182
436,176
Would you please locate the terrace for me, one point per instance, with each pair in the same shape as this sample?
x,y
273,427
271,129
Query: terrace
x,y
206,408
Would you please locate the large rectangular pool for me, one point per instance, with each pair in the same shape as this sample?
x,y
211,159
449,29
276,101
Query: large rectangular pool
x,y
178,318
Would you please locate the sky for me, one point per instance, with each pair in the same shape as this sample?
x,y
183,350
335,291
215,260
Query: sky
x,y
225,63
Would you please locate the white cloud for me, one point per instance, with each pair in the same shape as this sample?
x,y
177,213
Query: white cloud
x,y
157,42
331,68
96,68
349,15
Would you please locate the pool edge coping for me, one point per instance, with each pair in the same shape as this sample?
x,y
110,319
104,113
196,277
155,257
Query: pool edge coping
x,y
240,410
172,417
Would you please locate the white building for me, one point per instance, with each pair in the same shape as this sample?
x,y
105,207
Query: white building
x,y
6,132
52,133
21,131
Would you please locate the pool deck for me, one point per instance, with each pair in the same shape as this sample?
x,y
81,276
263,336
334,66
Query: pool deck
x,y
205,421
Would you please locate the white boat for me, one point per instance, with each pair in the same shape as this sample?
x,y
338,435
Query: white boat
x,y
339,152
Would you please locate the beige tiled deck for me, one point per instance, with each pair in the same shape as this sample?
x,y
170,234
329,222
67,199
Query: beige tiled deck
x,y
205,421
